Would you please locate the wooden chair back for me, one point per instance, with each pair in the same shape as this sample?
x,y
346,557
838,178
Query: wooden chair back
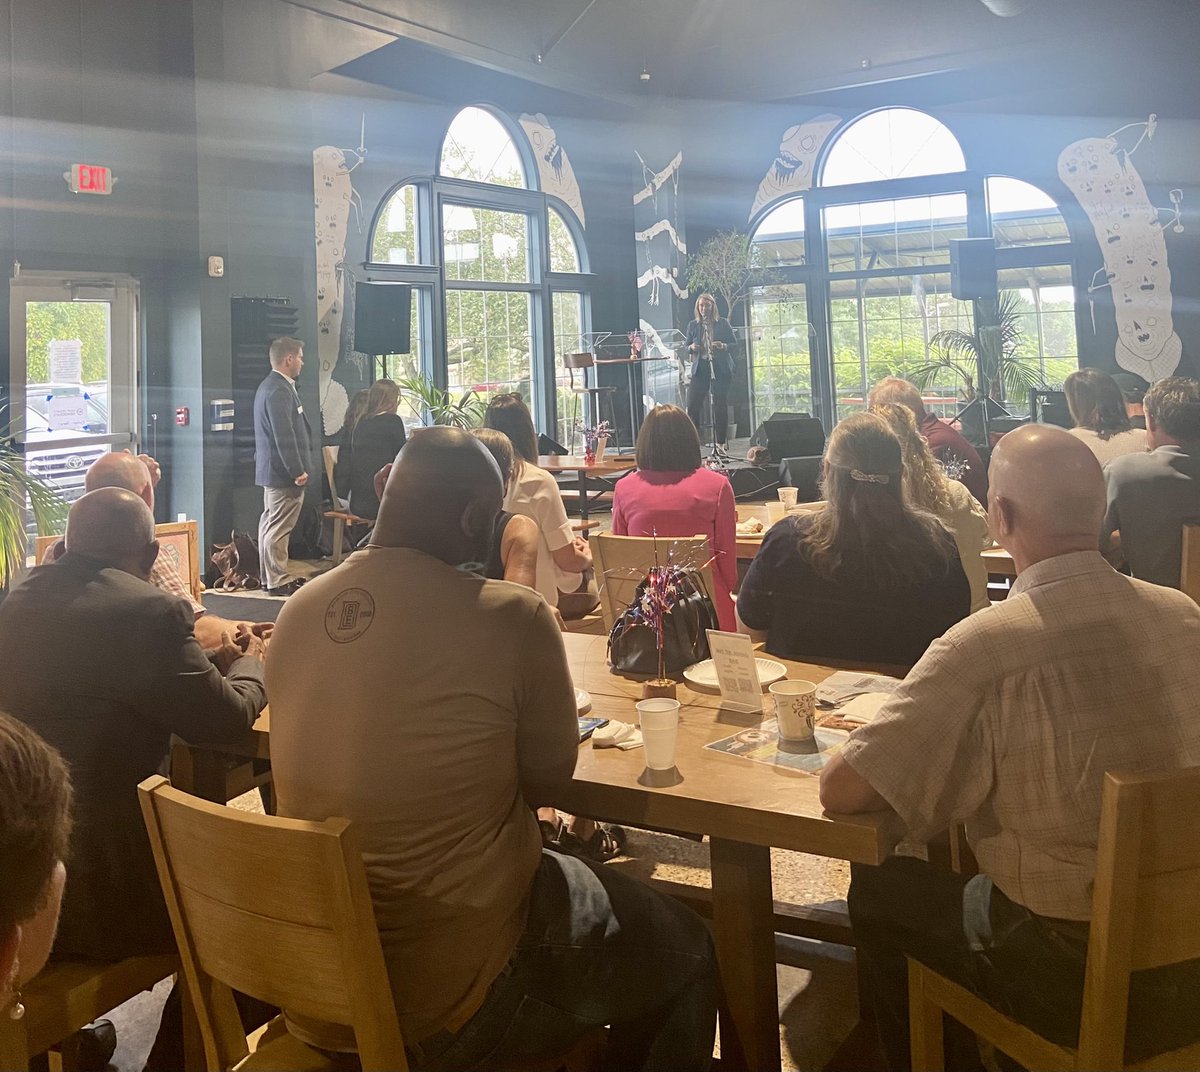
x,y
278,909
1145,903
329,459
179,539
622,562
1189,563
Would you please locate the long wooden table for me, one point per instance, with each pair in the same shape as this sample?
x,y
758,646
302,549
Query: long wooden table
x,y
570,463
745,808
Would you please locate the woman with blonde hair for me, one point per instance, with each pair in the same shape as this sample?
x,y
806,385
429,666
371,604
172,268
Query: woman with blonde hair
x,y
1101,421
374,441
672,494
928,488
868,577
710,341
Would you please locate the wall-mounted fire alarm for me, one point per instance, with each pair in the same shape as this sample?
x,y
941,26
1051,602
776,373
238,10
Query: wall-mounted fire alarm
x,y
216,267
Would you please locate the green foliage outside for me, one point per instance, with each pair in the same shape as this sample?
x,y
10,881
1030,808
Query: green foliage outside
x,y
83,320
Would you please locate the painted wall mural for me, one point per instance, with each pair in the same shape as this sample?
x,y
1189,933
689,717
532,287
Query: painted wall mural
x,y
554,166
1130,231
792,171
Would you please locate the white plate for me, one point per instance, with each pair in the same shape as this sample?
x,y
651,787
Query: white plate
x,y
583,702
705,674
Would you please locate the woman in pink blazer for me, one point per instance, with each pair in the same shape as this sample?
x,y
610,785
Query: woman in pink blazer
x,y
671,494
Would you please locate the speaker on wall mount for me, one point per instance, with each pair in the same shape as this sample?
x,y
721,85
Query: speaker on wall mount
x,y
382,313
973,268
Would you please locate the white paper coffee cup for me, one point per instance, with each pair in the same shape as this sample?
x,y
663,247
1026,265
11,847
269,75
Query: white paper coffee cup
x,y
788,497
795,709
659,722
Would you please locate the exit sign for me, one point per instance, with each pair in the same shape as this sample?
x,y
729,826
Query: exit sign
x,y
90,179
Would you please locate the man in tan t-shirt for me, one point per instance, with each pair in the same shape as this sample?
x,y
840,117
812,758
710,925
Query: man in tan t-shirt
x,y
1008,724
434,709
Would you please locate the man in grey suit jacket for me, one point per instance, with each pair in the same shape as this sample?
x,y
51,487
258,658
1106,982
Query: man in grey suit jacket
x,y
282,451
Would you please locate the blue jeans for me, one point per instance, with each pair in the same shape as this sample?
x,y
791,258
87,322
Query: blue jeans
x,y
599,948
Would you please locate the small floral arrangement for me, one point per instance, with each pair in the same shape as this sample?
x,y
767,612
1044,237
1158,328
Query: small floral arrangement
x,y
954,467
592,437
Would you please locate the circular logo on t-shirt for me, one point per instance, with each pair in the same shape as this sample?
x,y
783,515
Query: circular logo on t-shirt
x,y
349,615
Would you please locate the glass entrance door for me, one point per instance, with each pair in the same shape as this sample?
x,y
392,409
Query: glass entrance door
x,y
74,372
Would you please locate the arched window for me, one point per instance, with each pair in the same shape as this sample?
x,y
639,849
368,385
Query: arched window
x,y
479,148
497,271
892,143
858,280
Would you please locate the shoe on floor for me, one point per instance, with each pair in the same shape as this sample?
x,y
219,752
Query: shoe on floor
x,y
606,843
91,1048
289,589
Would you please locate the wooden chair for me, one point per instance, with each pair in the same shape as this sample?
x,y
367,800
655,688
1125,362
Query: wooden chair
x,y
340,518
1144,909
596,395
278,909
70,994
622,561
1189,563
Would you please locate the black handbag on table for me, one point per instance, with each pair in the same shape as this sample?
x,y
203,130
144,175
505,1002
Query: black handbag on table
x,y
633,646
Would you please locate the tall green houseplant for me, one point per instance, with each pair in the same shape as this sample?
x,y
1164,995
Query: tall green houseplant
x,y
18,485
438,406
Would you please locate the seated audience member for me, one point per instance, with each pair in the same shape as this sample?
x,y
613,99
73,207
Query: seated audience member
x,y
109,668
141,474
438,759
948,444
672,494
373,441
1098,410
1151,495
356,410
928,488
866,578
563,557
1133,391
514,550
1009,724
35,827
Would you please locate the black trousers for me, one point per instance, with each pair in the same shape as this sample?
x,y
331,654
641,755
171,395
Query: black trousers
x,y
1029,967
697,390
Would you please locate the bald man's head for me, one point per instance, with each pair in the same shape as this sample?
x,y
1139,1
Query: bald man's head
x,y
120,469
1046,492
116,527
442,497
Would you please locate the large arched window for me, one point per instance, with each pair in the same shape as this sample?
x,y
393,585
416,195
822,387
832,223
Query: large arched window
x,y
860,276
498,269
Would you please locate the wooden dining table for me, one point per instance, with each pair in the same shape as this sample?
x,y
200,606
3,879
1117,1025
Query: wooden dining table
x,y
572,463
745,808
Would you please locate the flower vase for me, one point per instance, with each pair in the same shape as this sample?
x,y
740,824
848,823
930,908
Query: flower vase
x,y
659,686
589,456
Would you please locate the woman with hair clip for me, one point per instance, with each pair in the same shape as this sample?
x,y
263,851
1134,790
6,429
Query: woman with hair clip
x,y
1101,421
868,578
711,343
372,442
928,488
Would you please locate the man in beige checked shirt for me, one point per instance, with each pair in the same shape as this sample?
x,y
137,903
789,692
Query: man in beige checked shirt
x,y
1008,724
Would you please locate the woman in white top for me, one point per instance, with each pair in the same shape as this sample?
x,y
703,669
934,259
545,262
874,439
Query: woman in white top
x,y
926,487
1098,410
562,556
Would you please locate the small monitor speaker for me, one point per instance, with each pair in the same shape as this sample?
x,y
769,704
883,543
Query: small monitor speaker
x,y
973,268
382,312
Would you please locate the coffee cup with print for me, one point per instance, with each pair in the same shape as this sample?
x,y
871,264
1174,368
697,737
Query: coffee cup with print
x,y
795,712
789,496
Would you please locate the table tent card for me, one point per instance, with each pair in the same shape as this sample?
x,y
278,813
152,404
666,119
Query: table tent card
x,y
737,672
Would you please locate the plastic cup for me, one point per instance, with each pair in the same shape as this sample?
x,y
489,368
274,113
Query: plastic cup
x,y
775,512
788,497
659,722
795,709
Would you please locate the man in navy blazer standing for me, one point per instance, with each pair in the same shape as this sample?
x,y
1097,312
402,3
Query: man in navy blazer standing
x,y
282,449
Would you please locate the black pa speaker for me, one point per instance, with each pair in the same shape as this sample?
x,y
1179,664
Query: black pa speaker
x,y
973,268
382,312
792,435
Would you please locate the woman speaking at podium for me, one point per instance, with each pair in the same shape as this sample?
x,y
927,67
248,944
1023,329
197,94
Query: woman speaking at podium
x,y
710,342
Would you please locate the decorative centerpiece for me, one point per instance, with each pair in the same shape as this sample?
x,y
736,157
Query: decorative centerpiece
x,y
637,343
595,441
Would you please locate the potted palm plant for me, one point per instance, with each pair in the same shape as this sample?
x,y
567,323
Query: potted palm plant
x,y
438,406
986,362
17,487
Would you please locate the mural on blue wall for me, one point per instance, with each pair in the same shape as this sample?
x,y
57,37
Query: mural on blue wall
x,y
792,170
1130,231
554,166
